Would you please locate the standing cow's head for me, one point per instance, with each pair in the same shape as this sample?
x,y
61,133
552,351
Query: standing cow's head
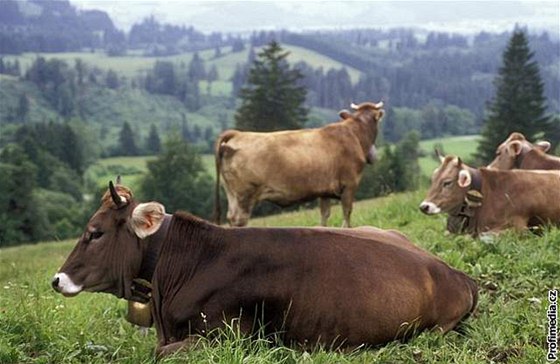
x,y
510,153
450,184
108,255
369,115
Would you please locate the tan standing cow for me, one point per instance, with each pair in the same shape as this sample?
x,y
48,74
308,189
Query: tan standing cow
x,y
518,153
287,167
498,199
336,287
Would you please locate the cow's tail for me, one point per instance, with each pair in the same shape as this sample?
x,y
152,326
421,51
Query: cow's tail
x,y
218,154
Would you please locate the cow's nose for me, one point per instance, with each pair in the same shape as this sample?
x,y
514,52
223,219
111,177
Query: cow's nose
x,y
54,283
424,207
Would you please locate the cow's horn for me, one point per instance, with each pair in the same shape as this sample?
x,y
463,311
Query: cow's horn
x,y
354,106
114,195
118,181
379,105
438,154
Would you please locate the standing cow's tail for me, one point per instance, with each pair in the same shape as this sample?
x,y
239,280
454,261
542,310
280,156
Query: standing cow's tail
x,y
218,154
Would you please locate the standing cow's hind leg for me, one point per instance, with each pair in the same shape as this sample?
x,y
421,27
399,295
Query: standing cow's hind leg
x,y
347,199
325,204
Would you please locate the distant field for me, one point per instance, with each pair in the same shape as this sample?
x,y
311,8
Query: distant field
x,y
514,272
462,146
129,168
134,65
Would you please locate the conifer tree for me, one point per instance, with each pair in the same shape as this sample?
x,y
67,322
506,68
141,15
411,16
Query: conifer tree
x,y
519,103
273,99
126,139
153,143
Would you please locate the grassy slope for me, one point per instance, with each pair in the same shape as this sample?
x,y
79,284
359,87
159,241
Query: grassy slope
x,y
133,65
514,272
462,146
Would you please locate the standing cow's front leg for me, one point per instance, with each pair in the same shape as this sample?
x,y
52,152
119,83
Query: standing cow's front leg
x,y
347,199
325,204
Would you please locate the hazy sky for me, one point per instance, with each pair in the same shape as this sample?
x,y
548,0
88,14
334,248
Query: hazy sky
x,y
463,16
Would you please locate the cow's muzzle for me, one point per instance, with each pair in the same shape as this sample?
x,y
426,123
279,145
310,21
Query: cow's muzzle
x,y
429,208
63,284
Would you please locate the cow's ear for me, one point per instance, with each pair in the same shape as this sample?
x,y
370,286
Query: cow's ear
x,y
344,114
147,218
381,113
543,145
465,178
515,147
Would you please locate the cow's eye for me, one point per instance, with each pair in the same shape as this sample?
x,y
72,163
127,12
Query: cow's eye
x,y
447,183
95,235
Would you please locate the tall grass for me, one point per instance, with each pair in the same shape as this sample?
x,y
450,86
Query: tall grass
x,y
514,272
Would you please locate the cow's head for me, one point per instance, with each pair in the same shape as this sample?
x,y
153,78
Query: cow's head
x,y
109,253
367,112
511,152
450,184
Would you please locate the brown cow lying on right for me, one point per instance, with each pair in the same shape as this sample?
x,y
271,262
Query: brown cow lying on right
x,y
518,153
498,199
309,285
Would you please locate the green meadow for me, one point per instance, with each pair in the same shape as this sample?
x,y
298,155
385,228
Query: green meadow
x,y
514,272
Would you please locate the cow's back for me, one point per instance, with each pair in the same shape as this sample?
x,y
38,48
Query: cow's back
x,y
286,166
518,195
320,285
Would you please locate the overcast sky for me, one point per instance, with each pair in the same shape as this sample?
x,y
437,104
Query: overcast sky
x,y
461,16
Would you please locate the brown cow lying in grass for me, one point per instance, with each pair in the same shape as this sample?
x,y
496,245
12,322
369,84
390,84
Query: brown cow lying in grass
x,y
517,153
498,199
340,287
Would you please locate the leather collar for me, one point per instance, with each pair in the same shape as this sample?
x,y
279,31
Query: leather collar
x,y
141,286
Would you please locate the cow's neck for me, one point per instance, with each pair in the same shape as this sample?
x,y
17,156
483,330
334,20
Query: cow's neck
x,y
537,160
365,132
141,285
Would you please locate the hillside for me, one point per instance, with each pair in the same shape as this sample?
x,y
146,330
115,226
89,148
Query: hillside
x,y
514,272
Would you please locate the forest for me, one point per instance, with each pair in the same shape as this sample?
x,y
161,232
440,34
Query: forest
x,y
63,107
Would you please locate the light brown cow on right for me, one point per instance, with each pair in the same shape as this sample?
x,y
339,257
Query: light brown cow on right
x,y
518,153
509,199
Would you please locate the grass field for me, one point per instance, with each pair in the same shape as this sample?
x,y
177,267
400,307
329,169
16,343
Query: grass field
x,y
133,65
514,272
462,146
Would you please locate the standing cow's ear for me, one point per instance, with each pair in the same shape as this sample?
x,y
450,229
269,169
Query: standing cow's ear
x,y
465,178
147,218
381,114
543,145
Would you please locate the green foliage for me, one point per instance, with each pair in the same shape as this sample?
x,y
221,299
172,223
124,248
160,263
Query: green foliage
x,y
519,104
272,100
397,170
153,143
127,145
20,220
178,179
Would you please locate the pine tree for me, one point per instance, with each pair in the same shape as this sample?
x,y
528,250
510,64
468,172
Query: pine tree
x,y
126,139
519,103
273,98
153,143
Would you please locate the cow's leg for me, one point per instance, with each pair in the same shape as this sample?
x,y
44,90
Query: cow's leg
x,y
346,200
240,207
325,204
165,350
